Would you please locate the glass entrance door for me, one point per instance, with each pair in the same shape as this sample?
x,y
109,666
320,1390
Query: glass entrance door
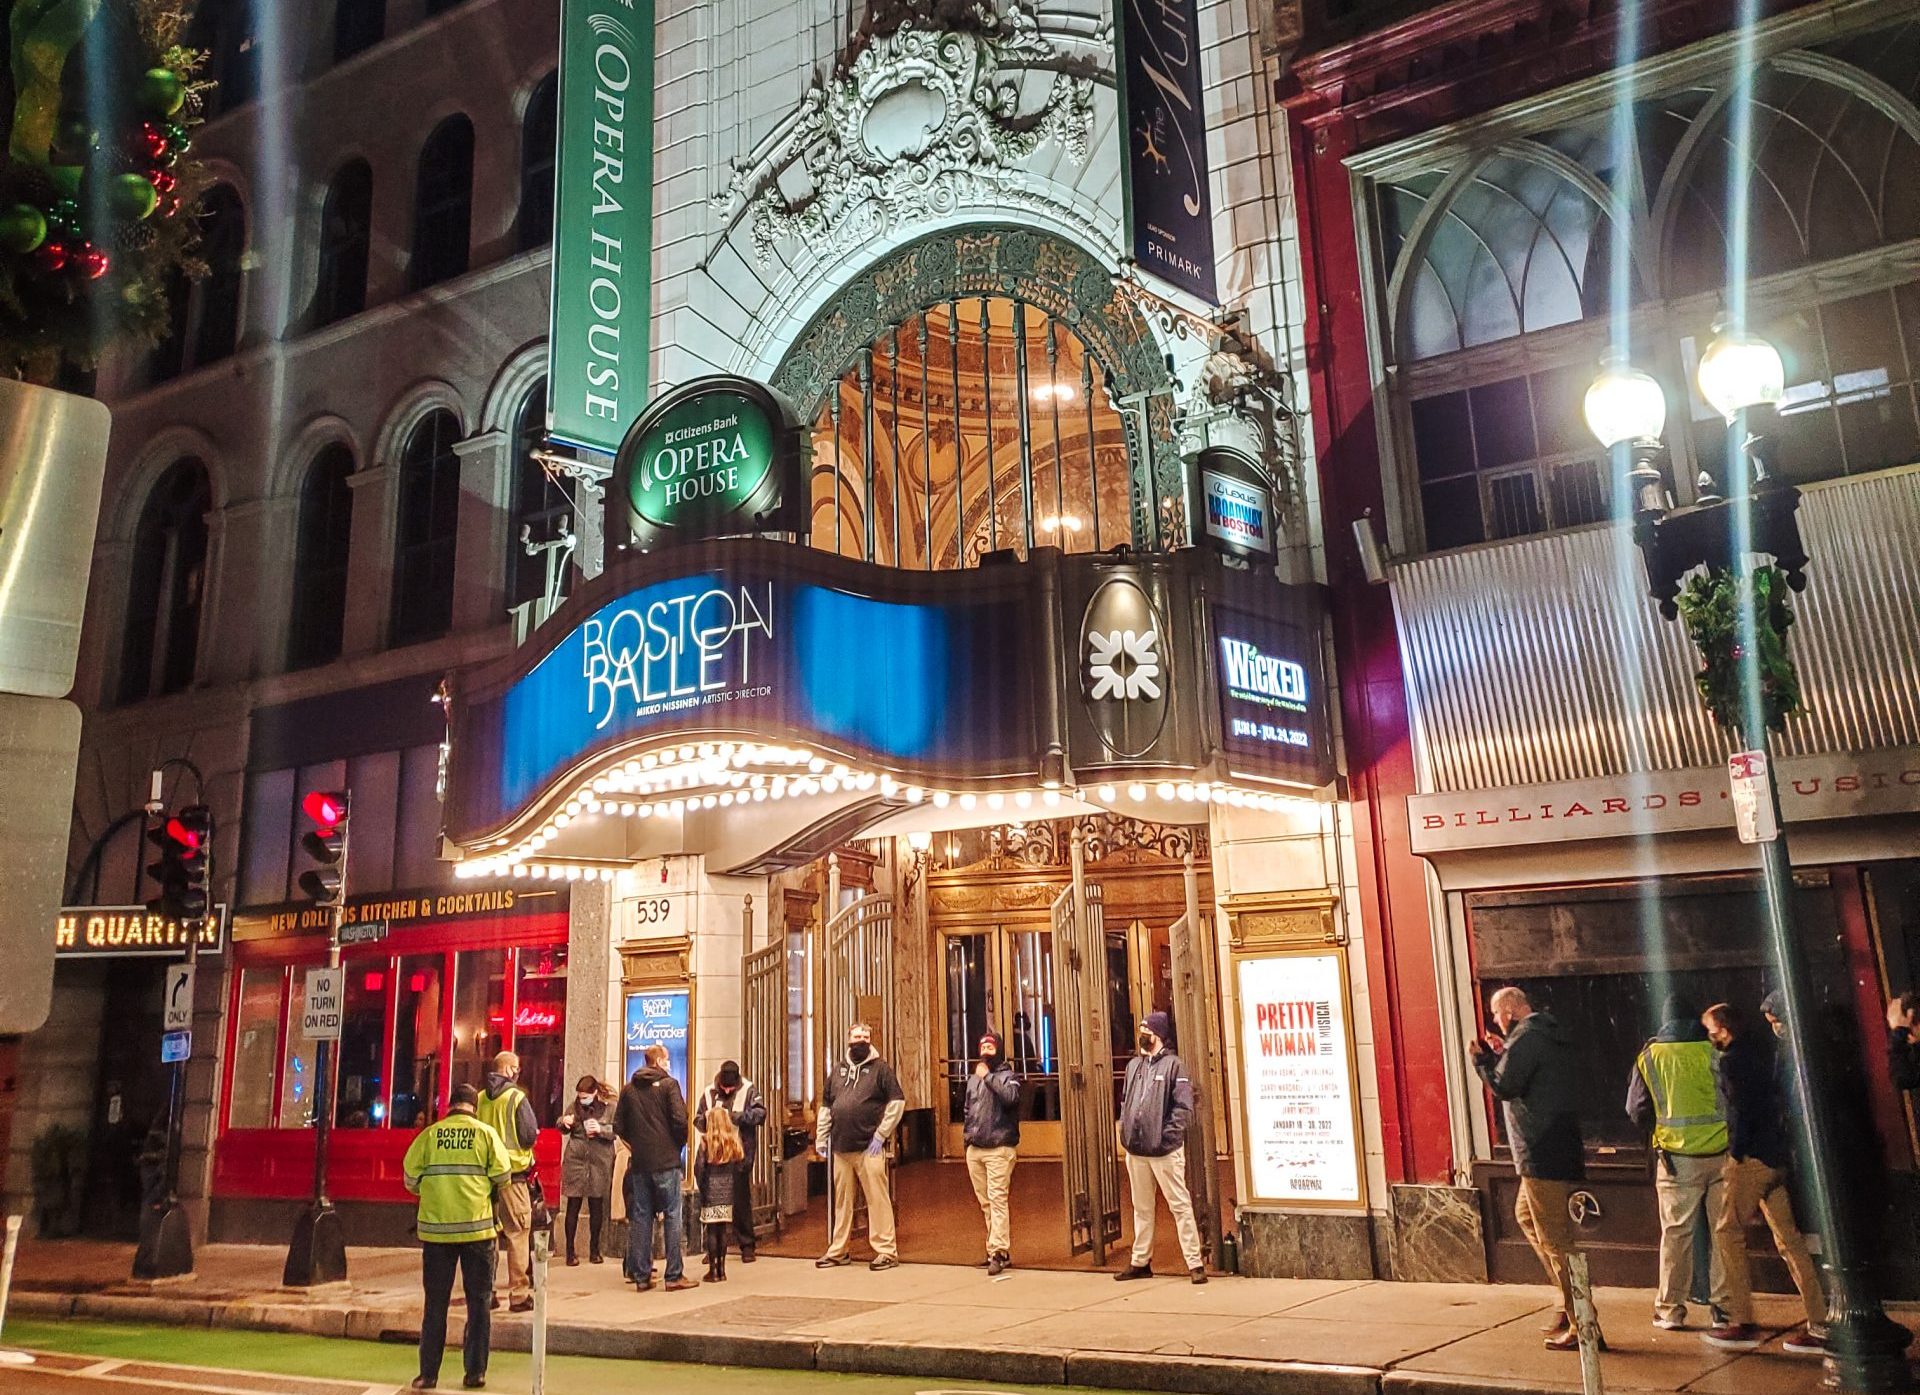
x,y
1000,979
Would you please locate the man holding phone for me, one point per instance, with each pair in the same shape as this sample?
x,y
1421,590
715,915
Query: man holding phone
x,y
1528,1064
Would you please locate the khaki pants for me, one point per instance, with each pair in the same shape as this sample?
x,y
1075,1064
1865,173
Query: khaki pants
x,y
1541,1210
1169,1175
870,1172
516,1230
992,1172
1753,1189
1693,1183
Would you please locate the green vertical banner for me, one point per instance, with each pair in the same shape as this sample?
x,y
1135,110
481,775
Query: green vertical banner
x,y
602,223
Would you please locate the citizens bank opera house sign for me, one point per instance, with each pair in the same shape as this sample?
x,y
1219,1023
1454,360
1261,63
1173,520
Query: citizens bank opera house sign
x,y
718,456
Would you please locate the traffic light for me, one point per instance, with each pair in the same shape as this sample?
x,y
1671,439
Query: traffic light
x,y
326,844
184,871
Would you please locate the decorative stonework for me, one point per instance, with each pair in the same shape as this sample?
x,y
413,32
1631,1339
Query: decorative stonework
x,y
922,121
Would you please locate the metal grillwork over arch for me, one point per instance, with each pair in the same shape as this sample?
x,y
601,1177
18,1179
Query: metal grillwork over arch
x,y
1013,327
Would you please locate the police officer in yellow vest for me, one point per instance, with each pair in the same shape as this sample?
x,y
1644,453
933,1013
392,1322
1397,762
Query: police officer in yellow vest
x,y
455,1167
1671,1096
505,1106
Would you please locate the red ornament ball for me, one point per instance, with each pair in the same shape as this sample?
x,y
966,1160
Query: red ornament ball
x,y
92,262
164,181
153,141
50,257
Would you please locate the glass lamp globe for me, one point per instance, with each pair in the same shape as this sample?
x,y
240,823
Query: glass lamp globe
x,y
1740,370
1624,404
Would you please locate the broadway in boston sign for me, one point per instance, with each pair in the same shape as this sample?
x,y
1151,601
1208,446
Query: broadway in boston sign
x,y
716,456
1169,207
602,223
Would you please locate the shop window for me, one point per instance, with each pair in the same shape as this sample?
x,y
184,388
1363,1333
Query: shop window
x,y
1603,960
321,558
443,205
426,530
298,1070
362,1100
346,240
479,1014
419,1051
162,640
538,132
540,1028
256,1044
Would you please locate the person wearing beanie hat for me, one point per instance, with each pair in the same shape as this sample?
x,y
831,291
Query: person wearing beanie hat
x,y
991,1129
1156,1105
738,1096
1773,1007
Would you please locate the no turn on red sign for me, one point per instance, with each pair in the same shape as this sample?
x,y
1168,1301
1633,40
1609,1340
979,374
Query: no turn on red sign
x,y
321,1011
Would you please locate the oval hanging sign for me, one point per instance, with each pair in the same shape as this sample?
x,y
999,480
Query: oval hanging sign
x,y
715,457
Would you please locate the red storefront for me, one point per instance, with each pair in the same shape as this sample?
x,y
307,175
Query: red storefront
x,y
437,982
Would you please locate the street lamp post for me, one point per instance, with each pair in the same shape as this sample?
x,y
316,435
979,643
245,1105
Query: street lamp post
x,y
1741,376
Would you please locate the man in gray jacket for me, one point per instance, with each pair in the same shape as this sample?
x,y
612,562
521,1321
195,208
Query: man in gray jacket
x,y
1156,1106
992,1132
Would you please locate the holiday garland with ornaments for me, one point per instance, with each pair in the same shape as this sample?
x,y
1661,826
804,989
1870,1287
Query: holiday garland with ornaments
x,y
1713,604
96,193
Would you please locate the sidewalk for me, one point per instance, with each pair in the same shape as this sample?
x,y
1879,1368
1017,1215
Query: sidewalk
x,y
1232,1336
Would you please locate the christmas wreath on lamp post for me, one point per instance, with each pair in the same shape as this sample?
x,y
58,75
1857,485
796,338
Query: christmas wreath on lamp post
x,y
96,192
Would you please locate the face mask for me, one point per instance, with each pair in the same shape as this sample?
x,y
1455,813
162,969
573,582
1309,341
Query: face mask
x,y
859,1051
586,1099
989,1055
1146,1042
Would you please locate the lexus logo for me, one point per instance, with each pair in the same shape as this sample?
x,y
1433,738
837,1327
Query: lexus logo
x,y
1123,664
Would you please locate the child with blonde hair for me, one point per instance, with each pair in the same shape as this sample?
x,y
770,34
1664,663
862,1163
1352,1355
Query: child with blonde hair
x,y
718,1174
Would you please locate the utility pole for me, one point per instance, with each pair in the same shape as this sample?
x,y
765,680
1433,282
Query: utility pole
x,y
318,1252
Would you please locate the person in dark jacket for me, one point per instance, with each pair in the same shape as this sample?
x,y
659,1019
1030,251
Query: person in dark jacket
x,y
1671,1100
1530,1068
1156,1105
738,1096
651,1119
991,1129
1746,1072
586,1164
864,1105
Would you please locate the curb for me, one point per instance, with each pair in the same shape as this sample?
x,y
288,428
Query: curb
x,y
1175,1375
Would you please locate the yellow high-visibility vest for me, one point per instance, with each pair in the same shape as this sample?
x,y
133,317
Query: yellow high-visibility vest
x,y
501,1113
1686,1110
453,1166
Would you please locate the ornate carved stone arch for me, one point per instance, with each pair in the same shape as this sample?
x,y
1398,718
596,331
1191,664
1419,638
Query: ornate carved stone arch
x,y
1048,273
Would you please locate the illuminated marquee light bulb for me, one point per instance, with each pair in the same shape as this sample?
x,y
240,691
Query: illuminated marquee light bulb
x,y
759,793
708,801
1136,791
996,800
600,785
679,806
1024,799
779,788
1105,794
520,869
562,819
590,806
914,794
572,806
1184,791
967,801
649,761
726,800
816,765
830,783
536,871
1164,789
1051,799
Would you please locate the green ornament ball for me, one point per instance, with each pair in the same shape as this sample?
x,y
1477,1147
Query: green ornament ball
x,y
131,197
161,91
22,227
176,133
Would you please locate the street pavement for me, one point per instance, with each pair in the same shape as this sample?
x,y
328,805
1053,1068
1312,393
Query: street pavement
x,y
948,1324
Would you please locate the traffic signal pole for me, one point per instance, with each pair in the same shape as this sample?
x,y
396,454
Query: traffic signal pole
x,y
318,1252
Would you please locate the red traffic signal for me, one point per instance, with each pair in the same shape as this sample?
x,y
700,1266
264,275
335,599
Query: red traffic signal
x,y
325,807
187,838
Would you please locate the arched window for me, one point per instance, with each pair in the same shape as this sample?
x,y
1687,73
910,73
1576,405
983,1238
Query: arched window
x,y
168,585
1504,266
216,316
443,204
537,136
346,235
320,559
982,424
428,523
357,25
539,505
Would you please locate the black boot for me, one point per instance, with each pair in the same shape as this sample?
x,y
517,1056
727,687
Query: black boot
x,y
720,1267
